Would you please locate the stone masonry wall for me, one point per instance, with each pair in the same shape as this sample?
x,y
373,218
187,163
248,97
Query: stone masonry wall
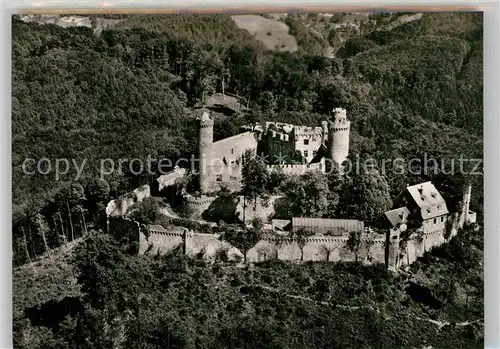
x,y
318,248
120,206
198,205
298,169
158,240
161,241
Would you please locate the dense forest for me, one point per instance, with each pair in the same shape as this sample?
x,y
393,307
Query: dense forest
x,y
414,91
96,296
130,92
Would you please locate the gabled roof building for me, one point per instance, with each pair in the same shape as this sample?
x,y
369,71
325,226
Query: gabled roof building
x,y
421,205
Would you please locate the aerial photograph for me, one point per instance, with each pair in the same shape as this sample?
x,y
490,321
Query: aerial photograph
x,y
247,180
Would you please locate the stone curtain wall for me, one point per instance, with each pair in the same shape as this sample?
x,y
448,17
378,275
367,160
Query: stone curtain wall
x,y
120,206
158,240
298,169
416,246
161,241
198,205
207,246
318,248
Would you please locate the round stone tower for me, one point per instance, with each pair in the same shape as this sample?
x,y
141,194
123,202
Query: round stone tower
x,y
205,141
338,136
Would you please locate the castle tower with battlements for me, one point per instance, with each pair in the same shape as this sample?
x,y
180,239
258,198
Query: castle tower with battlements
x,y
338,136
205,142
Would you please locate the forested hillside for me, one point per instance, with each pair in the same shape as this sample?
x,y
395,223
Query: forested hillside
x,y
103,298
130,92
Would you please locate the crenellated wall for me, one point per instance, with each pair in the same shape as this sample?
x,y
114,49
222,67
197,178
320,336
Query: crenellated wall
x,y
198,205
161,241
298,169
319,248
155,239
388,248
373,248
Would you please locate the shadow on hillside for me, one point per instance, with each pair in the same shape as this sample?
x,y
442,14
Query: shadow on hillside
x,y
423,295
51,313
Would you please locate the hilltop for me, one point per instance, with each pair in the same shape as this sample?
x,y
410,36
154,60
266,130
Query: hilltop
x,y
130,87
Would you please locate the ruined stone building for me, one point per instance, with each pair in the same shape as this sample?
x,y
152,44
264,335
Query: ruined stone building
x,y
220,162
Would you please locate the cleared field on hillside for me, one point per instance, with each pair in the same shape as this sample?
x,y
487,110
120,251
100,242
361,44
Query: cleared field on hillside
x,y
273,34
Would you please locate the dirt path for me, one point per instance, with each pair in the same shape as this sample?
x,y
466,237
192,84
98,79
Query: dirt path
x,y
440,324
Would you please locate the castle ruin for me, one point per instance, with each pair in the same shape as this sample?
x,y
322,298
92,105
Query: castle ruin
x,y
423,223
419,220
220,162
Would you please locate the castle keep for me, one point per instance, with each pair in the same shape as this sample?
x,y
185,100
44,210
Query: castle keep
x,y
318,147
220,162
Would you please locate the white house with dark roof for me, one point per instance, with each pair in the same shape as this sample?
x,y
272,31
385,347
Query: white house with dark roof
x,y
423,204
422,209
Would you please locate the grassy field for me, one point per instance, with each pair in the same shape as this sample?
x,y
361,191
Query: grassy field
x,y
272,33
